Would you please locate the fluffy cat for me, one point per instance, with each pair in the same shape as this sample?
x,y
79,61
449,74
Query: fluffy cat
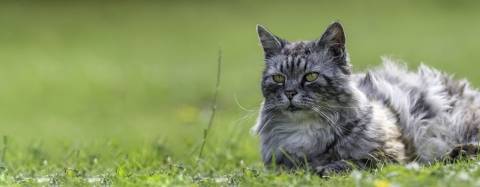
x,y
318,114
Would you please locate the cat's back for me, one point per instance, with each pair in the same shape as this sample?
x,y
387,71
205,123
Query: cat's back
x,y
430,106
425,93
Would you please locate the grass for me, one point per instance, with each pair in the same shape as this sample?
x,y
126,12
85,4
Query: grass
x,y
120,92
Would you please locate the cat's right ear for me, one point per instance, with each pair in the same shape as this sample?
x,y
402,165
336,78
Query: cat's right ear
x,y
272,45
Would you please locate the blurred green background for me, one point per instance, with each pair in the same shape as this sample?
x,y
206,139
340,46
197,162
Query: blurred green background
x,y
144,71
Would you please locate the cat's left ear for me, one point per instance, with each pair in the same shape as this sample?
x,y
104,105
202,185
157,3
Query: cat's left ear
x,y
334,39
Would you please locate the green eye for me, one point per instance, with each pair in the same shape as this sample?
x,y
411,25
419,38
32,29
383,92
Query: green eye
x,y
278,78
311,77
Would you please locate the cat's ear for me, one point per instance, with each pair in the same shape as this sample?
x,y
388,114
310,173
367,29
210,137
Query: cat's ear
x,y
334,34
271,44
334,39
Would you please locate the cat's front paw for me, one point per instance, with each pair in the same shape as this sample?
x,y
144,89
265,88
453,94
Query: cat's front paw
x,y
324,171
333,168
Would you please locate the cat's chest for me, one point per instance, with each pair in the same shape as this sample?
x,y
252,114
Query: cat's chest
x,y
303,138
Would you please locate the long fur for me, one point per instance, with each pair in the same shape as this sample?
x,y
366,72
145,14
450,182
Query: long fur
x,y
385,114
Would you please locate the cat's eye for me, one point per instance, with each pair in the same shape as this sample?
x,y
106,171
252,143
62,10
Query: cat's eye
x,y
278,78
311,76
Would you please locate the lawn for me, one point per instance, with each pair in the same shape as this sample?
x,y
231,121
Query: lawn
x,y
119,92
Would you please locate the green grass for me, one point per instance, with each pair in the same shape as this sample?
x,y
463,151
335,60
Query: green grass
x,y
118,92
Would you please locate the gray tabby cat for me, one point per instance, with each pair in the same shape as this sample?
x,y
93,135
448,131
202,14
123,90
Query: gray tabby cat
x,y
318,114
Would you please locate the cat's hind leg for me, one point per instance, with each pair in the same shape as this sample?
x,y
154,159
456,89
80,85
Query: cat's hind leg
x,y
463,151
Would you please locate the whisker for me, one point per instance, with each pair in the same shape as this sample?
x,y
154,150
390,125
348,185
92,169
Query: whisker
x,y
331,122
241,106
265,124
271,106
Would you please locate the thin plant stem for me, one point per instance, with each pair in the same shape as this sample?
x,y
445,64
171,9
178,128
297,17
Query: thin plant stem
x,y
214,104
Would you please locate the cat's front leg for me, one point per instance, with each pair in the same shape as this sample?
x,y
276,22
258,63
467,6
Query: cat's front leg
x,y
339,166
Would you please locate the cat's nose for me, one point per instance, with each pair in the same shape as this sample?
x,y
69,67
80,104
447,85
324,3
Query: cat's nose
x,y
290,93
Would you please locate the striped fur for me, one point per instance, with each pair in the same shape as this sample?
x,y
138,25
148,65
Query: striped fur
x,y
343,120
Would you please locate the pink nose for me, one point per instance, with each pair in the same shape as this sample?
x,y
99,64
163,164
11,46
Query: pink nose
x,y
290,93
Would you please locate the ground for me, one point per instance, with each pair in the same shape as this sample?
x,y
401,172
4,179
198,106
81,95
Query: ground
x,y
119,92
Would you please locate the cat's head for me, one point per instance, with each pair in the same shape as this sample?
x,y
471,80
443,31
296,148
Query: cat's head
x,y
305,75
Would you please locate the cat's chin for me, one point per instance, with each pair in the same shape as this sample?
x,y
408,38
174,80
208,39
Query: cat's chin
x,y
299,114
296,108
293,108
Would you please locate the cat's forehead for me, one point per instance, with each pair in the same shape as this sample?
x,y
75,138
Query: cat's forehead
x,y
295,59
296,48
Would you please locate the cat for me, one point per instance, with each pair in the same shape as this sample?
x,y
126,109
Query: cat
x,y
317,114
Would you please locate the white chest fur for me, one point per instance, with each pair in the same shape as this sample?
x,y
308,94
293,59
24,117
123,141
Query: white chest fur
x,y
302,137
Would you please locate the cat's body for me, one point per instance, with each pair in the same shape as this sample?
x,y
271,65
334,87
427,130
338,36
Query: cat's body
x,y
317,113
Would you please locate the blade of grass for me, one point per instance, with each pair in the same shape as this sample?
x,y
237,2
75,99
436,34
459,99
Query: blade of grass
x,y
214,104
3,162
4,149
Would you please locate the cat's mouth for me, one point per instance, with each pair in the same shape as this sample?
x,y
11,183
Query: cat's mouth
x,y
293,108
